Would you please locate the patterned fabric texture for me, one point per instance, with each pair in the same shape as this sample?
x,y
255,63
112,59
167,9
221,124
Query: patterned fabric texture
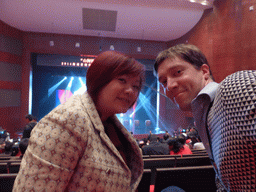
x,y
69,151
232,130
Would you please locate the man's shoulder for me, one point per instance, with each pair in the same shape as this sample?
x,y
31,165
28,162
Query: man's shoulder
x,y
239,77
30,125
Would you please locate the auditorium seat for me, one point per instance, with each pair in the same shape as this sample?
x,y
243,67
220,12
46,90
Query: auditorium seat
x,y
10,166
7,181
145,181
14,167
3,167
190,179
192,161
159,162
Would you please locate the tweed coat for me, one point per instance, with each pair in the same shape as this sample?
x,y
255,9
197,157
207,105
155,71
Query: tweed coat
x,y
70,151
232,131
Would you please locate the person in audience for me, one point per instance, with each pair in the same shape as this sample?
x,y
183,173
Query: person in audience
x,y
11,148
8,147
81,145
173,189
166,136
223,112
177,147
31,123
152,136
195,142
23,146
155,147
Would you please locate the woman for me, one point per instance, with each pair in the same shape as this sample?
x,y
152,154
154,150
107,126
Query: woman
x,y
81,145
177,147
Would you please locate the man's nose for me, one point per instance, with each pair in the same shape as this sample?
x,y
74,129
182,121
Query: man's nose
x,y
171,84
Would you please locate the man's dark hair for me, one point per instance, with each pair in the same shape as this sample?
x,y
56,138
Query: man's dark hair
x,y
176,144
29,117
187,52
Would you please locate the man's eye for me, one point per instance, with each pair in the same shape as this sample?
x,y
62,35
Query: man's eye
x,y
178,72
136,87
164,83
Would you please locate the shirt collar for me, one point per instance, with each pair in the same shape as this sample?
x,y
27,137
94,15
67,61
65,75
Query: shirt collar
x,y
210,89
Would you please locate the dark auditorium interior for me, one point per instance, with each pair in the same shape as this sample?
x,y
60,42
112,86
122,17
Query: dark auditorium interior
x,y
46,48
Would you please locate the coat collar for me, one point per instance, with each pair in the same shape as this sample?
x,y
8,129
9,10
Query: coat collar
x,y
96,121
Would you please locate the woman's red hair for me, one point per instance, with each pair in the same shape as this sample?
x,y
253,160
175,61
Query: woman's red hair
x,y
109,65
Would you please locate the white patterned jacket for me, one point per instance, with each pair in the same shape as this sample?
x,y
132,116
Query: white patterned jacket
x,y
70,151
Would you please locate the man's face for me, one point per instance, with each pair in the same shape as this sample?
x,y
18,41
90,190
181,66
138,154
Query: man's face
x,y
27,121
182,81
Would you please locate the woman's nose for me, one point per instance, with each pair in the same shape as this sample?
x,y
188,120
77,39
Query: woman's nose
x,y
129,89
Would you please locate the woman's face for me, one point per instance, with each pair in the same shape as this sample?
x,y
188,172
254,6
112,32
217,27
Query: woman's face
x,y
118,95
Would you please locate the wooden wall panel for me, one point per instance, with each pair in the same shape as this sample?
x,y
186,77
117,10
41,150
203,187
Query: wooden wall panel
x,y
10,81
9,31
226,35
10,58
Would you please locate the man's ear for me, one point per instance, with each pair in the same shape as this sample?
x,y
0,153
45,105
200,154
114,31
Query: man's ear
x,y
206,71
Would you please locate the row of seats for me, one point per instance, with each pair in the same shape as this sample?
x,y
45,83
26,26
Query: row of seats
x,y
9,166
190,179
176,161
7,181
189,172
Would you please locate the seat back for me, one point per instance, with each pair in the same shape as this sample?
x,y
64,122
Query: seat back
x,y
7,181
198,178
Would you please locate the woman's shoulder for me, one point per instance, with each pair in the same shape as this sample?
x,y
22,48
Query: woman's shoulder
x,y
186,150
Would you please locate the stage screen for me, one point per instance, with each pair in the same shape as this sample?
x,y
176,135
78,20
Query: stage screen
x,y
54,84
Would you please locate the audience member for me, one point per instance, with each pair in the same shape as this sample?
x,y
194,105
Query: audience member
x,y
8,147
23,146
152,137
224,113
155,147
81,145
166,136
173,189
31,123
11,148
176,147
195,142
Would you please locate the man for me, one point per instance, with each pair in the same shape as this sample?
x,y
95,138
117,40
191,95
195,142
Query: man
x,y
155,147
166,136
31,122
224,113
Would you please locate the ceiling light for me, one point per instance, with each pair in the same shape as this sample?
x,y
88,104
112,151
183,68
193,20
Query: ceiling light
x,y
51,43
112,47
204,3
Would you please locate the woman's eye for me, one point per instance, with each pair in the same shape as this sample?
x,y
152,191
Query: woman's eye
x,y
122,80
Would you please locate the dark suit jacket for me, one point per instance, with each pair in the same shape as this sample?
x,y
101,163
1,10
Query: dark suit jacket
x,y
156,148
28,129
